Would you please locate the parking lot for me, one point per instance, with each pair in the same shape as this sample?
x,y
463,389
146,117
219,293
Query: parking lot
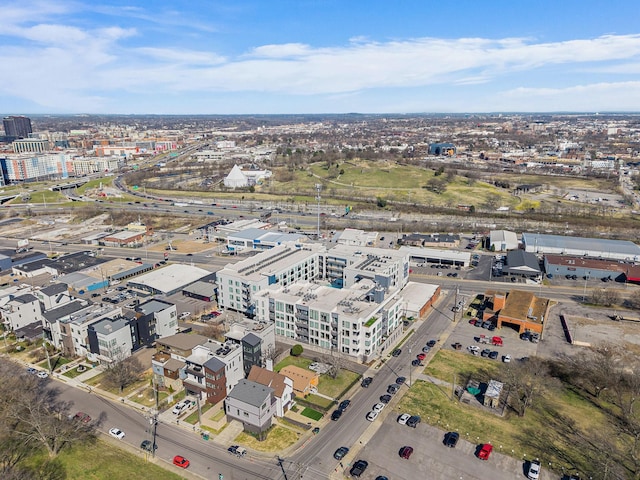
x,y
431,459
468,335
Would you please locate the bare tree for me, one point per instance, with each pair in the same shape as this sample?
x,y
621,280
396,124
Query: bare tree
x,y
525,382
121,374
215,331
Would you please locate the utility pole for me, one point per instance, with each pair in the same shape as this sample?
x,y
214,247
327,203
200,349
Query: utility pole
x,y
318,188
282,467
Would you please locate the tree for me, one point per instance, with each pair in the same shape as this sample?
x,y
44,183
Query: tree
x,y
121,374
215,331
436,185
525,382
297,350
381,202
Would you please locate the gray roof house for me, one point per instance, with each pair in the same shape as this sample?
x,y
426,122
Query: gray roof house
x,y
252,404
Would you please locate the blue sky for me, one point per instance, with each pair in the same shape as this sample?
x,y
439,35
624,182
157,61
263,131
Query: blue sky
x,y
318,56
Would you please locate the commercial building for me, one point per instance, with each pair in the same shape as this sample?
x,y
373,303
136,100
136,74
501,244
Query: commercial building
x,y
562,265
581,247
17,126
169,280
502,240
518,309
424,256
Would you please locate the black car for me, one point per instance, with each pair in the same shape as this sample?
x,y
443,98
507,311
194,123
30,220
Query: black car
x,y
401,380
485,352
340,453
336,415
393,389
148,446
396,352
415,363
493,355
431,343
385,398
344,405
451,439
525,336
413,421
358,468
366,382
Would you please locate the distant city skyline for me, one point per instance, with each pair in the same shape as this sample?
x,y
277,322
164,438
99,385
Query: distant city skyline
x,y
318,56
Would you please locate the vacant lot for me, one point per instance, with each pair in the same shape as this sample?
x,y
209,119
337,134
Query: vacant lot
x,y
545,431
277,440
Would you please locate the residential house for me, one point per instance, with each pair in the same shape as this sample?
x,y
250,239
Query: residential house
x,y
282,387
21,311
252,404
304,381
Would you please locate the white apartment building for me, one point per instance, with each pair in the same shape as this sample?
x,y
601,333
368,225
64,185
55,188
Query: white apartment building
x,y
359,321
281,265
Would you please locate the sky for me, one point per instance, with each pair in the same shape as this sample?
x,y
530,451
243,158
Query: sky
x,y
318,56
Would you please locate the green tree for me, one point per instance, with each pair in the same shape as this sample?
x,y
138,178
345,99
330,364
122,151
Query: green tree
x,y
297,350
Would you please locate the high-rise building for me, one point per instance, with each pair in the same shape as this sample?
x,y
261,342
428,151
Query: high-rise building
x,y
17,126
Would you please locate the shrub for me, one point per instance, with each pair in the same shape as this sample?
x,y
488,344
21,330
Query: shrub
x,y
297,350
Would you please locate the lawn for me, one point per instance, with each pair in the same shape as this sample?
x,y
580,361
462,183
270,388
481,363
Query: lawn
x,y
291,360
277,440
146,397
448,363
321,402
335,387
96,382
193,418
544,430
311,413
102,461
73,373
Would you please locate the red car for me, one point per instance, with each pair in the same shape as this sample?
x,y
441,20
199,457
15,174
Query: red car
x,y
405,452
485,451
180,461
216,313
421,356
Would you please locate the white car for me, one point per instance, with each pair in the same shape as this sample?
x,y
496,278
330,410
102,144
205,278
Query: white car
x,y
371,416
473,348
506,358
180,406
116,433
42,374
184,315
378,407
534,470
402,419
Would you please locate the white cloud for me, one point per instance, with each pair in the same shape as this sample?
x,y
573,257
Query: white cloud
x,y
51,63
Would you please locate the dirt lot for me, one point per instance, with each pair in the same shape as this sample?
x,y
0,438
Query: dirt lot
x,y
184,246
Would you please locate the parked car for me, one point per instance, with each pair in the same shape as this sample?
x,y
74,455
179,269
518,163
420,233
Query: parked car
x,y
116,433
358,468
344,405
378,407
415,362
335,416
401,380
340,453
385,398
371,416
485,451
525,336
180,461
42,374
451,439
426,349
405,452
485,353
431,343
366,382
396,352
180,406
148,446
237,450
474,349
393,389
413,421
82,417
402,419
184,315
493,355
32,371
421,356
533,473
506,358
534,338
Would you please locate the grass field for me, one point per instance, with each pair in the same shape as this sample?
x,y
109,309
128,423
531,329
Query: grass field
x,y
335,387
291,360
543,431
102,461
277,440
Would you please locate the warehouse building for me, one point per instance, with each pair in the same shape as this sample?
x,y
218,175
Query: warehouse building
x,y
581,247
